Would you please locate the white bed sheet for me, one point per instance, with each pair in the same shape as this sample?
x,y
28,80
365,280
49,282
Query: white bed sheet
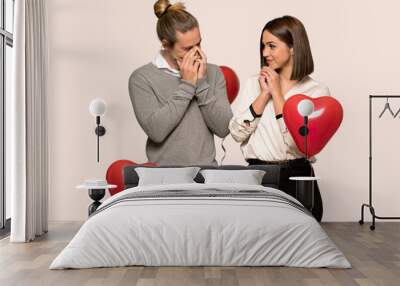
x,y
200,231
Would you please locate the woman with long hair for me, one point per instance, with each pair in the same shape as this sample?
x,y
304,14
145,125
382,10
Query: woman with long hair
x,y
258,125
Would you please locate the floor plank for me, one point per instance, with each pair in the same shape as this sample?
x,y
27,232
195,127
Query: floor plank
x,y
375,257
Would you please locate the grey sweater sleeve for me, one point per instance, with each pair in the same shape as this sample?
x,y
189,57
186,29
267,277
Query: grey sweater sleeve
x,y
158,119
214,104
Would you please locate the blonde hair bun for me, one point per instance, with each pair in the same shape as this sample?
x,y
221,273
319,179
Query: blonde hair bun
x,y
161,7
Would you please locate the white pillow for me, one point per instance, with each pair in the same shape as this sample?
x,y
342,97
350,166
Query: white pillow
x,y
248,177
162,176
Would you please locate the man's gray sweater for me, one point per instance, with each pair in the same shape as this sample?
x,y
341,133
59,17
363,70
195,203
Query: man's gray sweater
x,y
180,119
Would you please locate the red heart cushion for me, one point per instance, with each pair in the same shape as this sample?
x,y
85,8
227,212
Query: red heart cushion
x,y
115,174
322,123
232,83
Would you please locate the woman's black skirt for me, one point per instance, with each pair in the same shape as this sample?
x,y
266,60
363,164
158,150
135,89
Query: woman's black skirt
x,y
294,168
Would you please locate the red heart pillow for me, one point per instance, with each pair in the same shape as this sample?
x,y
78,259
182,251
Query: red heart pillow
x,y
232,83
322,123
115,174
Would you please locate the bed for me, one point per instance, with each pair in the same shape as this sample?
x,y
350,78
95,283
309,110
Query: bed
x,y
201,224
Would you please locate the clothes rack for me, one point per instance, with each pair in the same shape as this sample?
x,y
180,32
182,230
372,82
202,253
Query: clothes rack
x,y
370,204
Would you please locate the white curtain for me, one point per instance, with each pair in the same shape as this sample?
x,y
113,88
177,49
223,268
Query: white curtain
x,y
26,124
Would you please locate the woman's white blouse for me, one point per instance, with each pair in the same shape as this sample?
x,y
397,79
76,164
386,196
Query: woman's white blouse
x,y
267,138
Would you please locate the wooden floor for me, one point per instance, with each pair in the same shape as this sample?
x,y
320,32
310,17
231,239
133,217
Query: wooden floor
x,y
375,257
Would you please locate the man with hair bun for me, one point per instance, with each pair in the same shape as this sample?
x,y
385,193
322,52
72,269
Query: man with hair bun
x,y
179,99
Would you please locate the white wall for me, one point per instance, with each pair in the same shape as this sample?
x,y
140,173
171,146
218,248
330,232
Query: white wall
x,y
96,44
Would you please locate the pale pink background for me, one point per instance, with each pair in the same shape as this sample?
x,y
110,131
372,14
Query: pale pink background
x,y
96,44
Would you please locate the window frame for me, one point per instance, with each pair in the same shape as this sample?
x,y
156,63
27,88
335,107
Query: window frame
x,y
6,39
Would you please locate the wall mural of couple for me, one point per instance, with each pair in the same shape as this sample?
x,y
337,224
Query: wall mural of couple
x,y
180,100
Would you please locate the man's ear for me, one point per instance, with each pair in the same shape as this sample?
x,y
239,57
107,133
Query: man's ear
x,y
165,44
292,51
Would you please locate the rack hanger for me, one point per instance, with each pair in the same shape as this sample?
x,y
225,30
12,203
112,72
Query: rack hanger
x,y
387,107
